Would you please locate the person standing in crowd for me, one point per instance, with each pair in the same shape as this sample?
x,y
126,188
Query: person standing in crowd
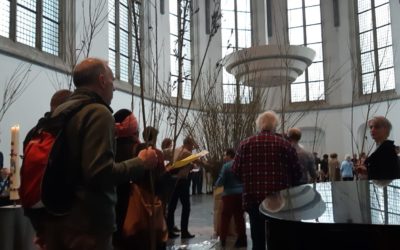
x,y
306,159
143,229
354,159
160,176
36,215
231,201
346,169
383,163
1,160
317,160
334,168
127,137
168,181
166,147
4,182
5,187
324,167
265,163
181,191
90,143
59,97
197,179
361,175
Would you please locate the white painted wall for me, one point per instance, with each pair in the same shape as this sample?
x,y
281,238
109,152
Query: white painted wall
x,y
32,104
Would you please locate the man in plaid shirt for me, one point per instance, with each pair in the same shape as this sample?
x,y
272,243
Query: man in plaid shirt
x,y
266,163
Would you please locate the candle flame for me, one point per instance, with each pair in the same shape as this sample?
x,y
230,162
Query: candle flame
x,y
15,127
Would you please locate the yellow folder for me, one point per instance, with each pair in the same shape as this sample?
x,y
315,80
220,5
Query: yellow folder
x,y
189,159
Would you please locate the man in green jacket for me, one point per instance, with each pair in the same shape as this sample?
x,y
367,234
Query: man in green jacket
x,y
90,136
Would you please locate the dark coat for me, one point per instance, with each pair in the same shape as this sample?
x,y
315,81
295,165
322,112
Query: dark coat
x,y
383,163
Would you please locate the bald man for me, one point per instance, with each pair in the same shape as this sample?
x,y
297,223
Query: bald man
x,y
59,97
90,144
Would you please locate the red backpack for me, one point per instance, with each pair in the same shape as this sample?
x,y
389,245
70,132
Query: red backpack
x,y
45,179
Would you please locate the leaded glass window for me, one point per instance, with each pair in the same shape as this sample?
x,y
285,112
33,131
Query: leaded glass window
x,y
304,23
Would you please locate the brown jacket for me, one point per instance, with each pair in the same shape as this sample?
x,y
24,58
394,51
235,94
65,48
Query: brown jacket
x,y
91,147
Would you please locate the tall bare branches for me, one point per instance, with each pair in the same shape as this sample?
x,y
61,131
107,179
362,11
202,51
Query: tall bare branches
x,y
15,86
177,109
93,22
137,47
216,16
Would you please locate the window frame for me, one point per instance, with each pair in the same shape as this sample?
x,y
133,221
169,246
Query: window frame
x,y
380,198
9,46
131,46
375,51
307,82
242,92
185,59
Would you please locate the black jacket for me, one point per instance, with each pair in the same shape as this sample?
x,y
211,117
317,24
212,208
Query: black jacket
x,y
383,164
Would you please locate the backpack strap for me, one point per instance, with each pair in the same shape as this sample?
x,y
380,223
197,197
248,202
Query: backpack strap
x,y
60,120
64,116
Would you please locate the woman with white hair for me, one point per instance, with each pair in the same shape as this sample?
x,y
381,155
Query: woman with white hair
x,y
346,169
382,164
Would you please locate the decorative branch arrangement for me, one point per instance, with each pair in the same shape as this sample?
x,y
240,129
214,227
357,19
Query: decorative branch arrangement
x,y
15,86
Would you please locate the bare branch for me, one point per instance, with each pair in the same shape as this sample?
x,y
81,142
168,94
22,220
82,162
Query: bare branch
x,y
15,86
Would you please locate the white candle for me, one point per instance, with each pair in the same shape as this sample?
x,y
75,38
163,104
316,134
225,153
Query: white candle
x,y
14,164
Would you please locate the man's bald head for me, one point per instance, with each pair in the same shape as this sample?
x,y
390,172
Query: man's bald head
x,y
96,75
88,71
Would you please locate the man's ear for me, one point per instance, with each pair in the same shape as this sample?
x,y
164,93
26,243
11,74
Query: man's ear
x,y
102,81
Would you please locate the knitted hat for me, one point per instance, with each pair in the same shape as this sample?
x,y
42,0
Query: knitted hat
x,y
126,124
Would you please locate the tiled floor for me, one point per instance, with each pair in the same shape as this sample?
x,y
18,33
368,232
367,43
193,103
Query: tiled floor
x,y
201,223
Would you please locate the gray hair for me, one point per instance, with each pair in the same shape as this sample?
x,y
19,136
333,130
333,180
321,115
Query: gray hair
x,y
381,121
267,121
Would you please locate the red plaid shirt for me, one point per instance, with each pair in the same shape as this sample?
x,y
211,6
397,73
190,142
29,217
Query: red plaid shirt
x,y
266,163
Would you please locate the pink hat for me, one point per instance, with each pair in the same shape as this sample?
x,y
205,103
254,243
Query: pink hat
x,y
128,127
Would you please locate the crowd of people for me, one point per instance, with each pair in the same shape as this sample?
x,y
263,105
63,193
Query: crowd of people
x,y
381,164
128,190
